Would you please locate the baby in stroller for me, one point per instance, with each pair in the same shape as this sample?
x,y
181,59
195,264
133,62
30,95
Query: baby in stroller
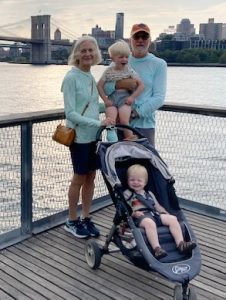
x,y
149,214
147,244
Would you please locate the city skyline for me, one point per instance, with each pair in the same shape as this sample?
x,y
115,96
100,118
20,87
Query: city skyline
x,y
78,17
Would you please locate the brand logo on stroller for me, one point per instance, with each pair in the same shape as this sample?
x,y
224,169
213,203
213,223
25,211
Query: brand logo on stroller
x,y
180,269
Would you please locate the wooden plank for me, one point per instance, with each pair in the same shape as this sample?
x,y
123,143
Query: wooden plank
x,y
35,279
52,265
123,269
16,280
119,277
11,291
60,268
213,262
66,258
79,254
5,296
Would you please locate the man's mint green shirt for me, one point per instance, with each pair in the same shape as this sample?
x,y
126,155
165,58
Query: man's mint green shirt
x,y
153,72
79,88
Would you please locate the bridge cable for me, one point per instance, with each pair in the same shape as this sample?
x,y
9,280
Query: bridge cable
x,y
64,29
16,23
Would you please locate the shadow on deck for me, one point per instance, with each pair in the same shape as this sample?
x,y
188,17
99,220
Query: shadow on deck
x,y
52,265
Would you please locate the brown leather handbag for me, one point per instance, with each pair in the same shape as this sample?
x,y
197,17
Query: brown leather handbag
x,y
64,135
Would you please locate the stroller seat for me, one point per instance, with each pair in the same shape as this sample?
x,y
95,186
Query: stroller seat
x,y
115,160
165,239
168,244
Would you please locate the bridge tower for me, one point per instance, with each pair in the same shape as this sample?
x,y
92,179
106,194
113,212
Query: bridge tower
x,y
41,41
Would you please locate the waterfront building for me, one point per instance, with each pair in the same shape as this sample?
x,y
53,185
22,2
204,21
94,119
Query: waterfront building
x,y
213,31
14,50
211,36
104,38
119,26
97,32
57,35
184,30
173,45
4,52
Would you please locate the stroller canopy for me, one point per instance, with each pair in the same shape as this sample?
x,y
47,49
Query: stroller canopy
x,y
126,150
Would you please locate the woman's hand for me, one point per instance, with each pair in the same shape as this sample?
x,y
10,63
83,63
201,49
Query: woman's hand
x,y
108,102
107,122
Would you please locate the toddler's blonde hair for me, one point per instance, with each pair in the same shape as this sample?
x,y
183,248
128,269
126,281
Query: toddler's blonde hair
x,y
138,170
119,48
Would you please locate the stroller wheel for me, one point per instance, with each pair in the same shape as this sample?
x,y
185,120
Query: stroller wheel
x,y
178,294
93,254
192,293
189,295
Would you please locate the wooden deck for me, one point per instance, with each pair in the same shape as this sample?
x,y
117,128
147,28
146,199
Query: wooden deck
x,y
52,265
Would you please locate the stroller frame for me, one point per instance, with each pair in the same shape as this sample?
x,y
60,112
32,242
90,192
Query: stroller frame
x,y
183,269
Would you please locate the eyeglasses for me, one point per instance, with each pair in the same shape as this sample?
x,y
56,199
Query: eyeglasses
x,y
142,36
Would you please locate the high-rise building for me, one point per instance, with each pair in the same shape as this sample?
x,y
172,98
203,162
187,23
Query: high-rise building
x,y
119,26
104,38
184,30
224,32
212,31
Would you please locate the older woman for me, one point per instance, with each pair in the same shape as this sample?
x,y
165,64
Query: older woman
x,y
80,92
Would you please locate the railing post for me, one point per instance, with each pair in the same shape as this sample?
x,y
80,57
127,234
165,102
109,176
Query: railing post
x,y
26,178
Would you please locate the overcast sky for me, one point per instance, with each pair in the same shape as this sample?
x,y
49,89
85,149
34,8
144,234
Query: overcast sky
x,y
75,17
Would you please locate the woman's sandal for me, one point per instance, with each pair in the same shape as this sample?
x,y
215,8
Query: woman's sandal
x,y
186,247
159,253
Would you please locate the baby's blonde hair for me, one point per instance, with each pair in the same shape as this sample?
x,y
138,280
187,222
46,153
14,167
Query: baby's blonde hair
x,y
119,48
138,170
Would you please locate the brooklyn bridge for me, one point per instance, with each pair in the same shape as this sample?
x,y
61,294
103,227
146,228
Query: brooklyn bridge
x,y
40,41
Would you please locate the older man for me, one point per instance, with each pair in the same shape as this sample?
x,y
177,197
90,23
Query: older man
x,y
152,71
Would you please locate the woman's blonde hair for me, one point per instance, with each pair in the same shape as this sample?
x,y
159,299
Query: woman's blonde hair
x,y
119,48
75,54
138,170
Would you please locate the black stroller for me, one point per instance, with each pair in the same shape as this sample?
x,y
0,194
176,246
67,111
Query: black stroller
x,y
131,241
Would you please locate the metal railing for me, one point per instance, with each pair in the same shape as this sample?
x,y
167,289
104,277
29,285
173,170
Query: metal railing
x,y
36,172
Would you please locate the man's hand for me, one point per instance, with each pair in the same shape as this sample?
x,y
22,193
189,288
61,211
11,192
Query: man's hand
x,y
130,100
127,84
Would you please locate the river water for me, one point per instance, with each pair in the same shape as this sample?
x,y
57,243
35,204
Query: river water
x,y
27,88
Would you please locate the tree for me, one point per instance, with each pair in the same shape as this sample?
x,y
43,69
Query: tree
x,y
194,55
222,59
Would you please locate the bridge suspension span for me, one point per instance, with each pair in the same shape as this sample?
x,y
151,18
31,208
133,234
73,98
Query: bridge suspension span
x,y
19,28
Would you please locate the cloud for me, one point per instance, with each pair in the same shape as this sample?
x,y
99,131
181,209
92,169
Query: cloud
x,y
79,16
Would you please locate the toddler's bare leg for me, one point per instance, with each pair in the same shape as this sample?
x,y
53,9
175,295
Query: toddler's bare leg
x,y
124,117
111,112
174,227
151,232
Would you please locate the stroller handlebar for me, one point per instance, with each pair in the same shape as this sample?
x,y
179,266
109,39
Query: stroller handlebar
x,y
117,126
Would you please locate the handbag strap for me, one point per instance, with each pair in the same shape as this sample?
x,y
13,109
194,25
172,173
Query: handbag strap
x,y
85,108
87,104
